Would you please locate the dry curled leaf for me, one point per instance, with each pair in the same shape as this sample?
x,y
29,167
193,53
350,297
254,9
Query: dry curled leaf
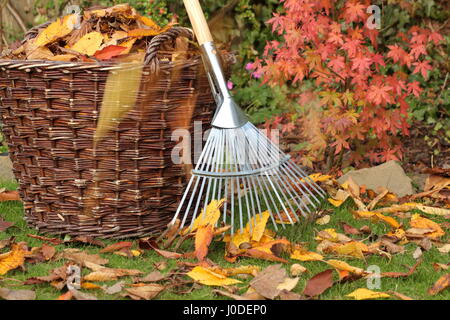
x,y
267,281
9,294
146,292
441,284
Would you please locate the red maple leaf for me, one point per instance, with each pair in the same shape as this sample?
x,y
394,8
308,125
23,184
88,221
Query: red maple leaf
x,y
362,64
417,50
354,11
396,53
422,67
435,37
414,88
379,95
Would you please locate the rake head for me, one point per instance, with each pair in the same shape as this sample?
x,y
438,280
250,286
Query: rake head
x,y
242,166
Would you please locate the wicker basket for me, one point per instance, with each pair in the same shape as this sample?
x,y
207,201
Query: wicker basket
x,y
49,112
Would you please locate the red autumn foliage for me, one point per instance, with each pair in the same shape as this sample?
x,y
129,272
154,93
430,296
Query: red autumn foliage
x,y
362,87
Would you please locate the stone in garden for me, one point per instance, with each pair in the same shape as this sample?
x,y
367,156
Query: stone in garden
x,y
6,173
389,175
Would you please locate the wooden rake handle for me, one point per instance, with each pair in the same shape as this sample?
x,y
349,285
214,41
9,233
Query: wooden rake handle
x,y
198,21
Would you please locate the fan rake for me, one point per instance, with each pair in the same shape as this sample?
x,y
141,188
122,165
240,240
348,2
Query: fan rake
x,y
238,162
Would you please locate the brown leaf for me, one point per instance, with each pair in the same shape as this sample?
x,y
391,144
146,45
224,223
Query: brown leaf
x,y
319,283
115,288
9,195
348,229
153,277
54,241
146,292
5,225
258,254
400,295
426,244
401,274
48,251
441,284
168,254
87,240
203,238
81,257
117,246
287,295
238,297
267,281
9,294
78,295
391,247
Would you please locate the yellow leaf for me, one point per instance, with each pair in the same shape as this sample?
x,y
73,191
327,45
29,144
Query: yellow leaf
x,y
341,265
318,177
324,220
210,278
240,237
336,203
423,223
376,216
209,217
89,44
12,260
253,270
136,253
58,29
149,22
327,234
364,294
257,225
432,210
339,198
304,255
353,249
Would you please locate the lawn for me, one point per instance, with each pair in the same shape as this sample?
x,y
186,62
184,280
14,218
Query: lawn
x,y
414,286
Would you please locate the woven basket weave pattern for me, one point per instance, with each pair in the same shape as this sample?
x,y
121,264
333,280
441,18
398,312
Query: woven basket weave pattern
x,y
126,186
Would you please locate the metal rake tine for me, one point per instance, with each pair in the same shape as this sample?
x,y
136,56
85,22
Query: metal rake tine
x,y
313,184
252,148
278,151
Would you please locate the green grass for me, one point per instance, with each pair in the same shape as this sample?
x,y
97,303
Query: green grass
x,y
415,286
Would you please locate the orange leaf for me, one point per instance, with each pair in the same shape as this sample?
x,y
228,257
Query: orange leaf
x,y
442,283
65,296
203,238
148,32
117,246
9,195
12,260
258,254
109,52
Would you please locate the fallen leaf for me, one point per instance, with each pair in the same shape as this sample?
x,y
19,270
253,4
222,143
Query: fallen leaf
x,y
392,247
168,254
82,257
288,284
257,225
203,238
304,255
109,52
9,294
12,259
5,225
441,284
400,295
348,229
238,297
353,249
445,248
146,292
56,30
267,281
9,195
287,295
117,246
377,199
90,286
319,283
376,216
365,294
440,266
48,251
423,223
115,288
402,274
343,266
89,44
417,253
66,296
426,244
153,277
78,295
297,269
324,220
208,277
259,254
207,217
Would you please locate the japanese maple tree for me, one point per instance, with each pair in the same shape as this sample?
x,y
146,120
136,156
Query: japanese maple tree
x,y
360,85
